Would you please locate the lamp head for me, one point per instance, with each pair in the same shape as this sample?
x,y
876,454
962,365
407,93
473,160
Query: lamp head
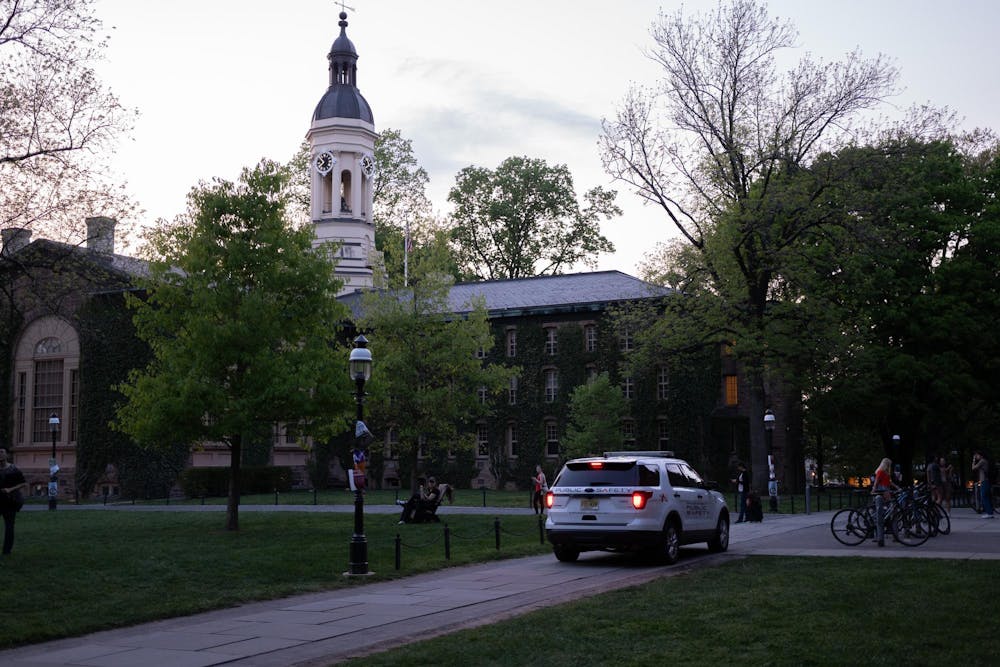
x,y
361,360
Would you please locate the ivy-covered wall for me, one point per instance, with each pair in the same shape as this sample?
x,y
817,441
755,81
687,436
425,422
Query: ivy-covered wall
x,y
109,349
692,394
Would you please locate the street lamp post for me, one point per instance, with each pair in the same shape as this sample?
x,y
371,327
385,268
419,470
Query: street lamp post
x,y
772,482
360,370
53,466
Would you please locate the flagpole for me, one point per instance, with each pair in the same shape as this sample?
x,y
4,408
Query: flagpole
x,y
406,256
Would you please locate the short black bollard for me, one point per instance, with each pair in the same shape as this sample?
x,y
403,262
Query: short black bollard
x,y
203,499
314,495
496,531
447,542
275,496
399,551
484,496
397,496
541,529
792,496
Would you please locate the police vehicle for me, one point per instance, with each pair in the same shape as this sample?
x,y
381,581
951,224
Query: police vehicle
x,y
642,501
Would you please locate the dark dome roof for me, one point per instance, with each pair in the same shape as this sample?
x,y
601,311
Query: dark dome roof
x,y
343,101
342,98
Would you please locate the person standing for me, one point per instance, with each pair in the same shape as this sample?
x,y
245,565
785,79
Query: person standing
x,y
948,481
981,467
934,479
881,487
742,483
11,500
539,488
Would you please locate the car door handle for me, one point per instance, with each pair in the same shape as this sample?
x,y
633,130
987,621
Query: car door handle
x,y
676,495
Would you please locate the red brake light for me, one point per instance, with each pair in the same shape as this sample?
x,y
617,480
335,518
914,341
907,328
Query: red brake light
x,y
639,499
550,499
597,465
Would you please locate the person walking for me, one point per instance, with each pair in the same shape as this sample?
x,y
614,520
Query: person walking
x,y
742,482
539,488
981,467
881,487
11,500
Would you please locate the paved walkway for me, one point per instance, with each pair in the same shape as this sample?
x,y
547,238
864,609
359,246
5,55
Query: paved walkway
x,y
322,628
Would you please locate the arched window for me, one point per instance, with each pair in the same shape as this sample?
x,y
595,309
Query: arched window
x,y
46,382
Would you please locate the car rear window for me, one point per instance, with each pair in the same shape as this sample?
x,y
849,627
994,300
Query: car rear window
x,y
610,473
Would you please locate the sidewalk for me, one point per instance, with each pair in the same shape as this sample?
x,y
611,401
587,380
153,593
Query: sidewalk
x,y
322,628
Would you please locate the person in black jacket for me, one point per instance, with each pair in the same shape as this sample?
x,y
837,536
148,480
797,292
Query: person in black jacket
x,y
742,482
11,500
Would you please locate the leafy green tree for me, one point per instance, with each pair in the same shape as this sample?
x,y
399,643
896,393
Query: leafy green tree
x,y
523,219
240,315
718,146
596,411
428,368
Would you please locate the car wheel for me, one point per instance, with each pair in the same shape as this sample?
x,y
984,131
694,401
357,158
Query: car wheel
x,y
720,542
565,554
671,549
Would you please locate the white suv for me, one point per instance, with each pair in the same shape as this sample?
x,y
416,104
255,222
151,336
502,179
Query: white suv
x,y
633,500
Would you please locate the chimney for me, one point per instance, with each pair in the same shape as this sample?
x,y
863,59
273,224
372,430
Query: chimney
x,y
101,234
14,238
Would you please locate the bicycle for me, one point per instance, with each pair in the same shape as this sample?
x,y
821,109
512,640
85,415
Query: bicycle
x,y
940,521
907,522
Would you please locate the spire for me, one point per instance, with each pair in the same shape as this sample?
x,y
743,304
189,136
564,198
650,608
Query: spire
x,y
343,58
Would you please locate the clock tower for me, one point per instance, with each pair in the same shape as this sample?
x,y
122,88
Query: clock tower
x,y
342,165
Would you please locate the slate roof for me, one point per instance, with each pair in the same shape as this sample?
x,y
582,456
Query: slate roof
x,y
573,292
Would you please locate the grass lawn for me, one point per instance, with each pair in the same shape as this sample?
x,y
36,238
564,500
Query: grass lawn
x,y
78,571
463,498
758,611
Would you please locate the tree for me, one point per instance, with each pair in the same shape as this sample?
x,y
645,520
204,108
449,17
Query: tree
x,y
56,118
523,219
429,375
718,145
241,317
596,411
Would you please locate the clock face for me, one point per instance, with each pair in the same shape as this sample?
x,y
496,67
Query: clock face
x,y
324,162
368,165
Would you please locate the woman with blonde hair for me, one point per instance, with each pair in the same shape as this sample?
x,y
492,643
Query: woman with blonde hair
x,y
881,487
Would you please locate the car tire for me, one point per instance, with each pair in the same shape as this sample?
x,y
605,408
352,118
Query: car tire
x,y
565,554
720,542
670,550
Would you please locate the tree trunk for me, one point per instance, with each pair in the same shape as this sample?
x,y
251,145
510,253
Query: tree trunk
x,y
233,503
758,443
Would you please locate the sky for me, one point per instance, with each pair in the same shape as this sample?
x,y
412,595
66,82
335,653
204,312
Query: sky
x,y
221,84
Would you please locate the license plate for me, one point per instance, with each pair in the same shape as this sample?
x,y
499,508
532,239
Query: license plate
x,y
588,503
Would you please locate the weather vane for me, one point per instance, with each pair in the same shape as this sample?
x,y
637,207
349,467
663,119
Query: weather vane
x,y
344,7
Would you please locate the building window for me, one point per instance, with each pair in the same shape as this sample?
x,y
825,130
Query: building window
x,y
422,447
662,435
291,433
591,372
512,441
392,444
662,383
511,342
48,397
483,395
74,396
551,439
550,341
512,391
628,387
482,441
732,390
625,341
480,352
22,387
590,338
551,385
628,432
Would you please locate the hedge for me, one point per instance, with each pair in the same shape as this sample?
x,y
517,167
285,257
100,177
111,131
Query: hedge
x,y
198,482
